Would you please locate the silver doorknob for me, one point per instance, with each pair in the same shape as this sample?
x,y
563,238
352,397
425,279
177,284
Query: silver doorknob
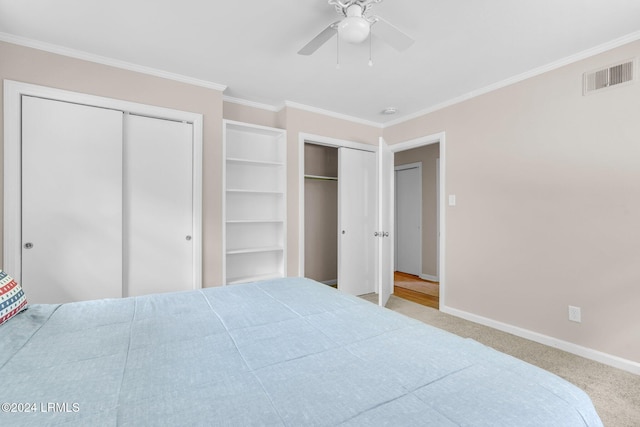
x,y
28,245
376,234
188,237
344,232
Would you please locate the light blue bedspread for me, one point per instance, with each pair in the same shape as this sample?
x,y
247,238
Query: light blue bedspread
x,y
284,352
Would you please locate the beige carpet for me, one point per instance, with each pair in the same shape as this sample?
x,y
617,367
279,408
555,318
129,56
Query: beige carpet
x,y
615,393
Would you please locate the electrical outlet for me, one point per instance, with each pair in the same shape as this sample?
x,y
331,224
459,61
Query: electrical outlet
x,y
574,314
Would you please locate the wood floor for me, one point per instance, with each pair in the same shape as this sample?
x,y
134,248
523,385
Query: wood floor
x,y
414,289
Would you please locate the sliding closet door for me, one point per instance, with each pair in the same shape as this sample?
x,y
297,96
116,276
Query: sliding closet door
x,y
357,221
158,206
71,201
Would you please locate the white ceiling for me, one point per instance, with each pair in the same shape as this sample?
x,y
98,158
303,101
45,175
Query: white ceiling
x,y
462,46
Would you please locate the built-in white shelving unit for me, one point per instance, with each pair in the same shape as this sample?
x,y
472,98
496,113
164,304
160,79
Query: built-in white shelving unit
x,y
254,228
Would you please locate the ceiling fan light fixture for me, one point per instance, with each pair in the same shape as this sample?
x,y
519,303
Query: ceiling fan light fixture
x,y
354,29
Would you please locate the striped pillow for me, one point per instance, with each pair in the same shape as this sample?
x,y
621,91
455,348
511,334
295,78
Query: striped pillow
x,y
12,299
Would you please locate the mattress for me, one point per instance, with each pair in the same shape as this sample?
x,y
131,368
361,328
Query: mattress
x,y
286,352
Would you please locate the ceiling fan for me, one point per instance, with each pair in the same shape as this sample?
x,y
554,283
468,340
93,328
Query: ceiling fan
x,y
356,27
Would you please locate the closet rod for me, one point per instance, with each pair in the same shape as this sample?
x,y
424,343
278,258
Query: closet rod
x,y
321,178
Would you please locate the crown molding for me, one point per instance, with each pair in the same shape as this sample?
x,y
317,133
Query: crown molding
x,y
78,54
9,38
252,104
596,50
298,106
333,114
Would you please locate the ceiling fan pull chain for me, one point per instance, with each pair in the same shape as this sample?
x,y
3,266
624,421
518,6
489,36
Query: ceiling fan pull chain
x,y
370,50
337,51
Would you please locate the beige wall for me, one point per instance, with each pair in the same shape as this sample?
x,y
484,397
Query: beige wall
x,y
427,155
548,201
246,114
47,69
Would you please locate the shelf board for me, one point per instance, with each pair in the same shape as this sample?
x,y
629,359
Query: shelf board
x,y
250,128
246,279
253,161
236,190
322,178
255,250
254,221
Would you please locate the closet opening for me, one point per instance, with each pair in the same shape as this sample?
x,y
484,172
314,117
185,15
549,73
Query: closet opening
x,y
321,213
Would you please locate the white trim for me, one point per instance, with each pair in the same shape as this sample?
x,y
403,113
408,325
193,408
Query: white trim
x,y
333,114
428,277
86,56
252,104
197,200
598,356
318,140
437,219
415,165
13,92
596,50
60,50
419,142
224,203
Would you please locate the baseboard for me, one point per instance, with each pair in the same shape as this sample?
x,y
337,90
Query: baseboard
x,y
588,353
429,277
330,282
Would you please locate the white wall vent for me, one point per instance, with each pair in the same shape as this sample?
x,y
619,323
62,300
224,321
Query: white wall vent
x,y
613,75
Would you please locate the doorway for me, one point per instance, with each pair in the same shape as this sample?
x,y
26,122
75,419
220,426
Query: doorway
x,y
425,285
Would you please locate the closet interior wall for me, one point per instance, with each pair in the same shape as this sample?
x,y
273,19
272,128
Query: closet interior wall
x,y
321,213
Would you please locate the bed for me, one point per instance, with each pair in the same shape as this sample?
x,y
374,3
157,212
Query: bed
x,y
286,352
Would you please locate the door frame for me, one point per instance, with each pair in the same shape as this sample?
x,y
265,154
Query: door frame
x,y
437,138
329,142
396,169
13,92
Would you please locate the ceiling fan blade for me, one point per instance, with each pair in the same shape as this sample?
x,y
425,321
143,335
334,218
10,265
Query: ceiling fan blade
x,y
319,40
390,34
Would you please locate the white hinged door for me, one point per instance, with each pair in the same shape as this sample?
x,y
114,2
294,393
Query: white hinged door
x,y
357,221
385,220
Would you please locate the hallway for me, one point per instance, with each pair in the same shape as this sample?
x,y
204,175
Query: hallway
x,y
412,288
